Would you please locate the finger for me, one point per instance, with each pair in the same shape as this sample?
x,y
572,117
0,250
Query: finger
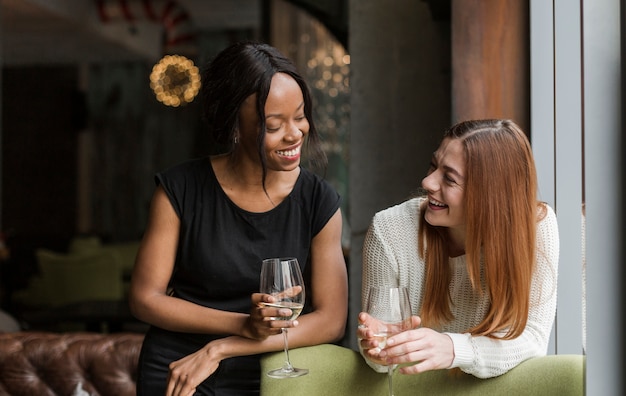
x,y
280,313
177,379
185,388
368,320
363,317
273,312
283,324
417,368
361,331
407,336
374,356
290,292
171,383
260,298
180,386
369,342
256,298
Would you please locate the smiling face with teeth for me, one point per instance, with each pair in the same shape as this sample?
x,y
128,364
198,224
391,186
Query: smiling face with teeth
x,y
285,120
445,183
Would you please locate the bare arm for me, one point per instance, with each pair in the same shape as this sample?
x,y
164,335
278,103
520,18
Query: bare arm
x,y
152,272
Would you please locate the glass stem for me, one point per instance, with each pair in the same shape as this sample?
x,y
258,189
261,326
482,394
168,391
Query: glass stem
x,y
390,378
287,366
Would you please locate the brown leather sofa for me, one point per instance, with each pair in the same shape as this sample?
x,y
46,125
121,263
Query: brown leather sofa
x,y
68,364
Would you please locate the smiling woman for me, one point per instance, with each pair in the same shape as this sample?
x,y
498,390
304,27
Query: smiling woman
x,y
478,253
215,219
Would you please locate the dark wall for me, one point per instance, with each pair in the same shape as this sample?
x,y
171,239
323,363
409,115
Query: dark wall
x,y
40,118
39,130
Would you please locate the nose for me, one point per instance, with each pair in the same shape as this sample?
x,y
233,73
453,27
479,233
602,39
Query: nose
x,y
429,183
294,132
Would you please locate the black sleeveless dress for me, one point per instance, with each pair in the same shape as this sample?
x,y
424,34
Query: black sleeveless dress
x,y
218,263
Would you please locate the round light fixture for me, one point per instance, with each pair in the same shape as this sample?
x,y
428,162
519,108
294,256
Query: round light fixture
x,y
175,80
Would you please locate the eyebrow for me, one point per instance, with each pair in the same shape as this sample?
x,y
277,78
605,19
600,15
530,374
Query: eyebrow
x,y
278,115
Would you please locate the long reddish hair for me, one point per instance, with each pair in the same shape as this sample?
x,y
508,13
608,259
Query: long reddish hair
x,y
501,212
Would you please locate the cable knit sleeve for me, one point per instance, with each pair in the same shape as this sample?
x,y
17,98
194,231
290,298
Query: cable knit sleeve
x,y
379,268
390,254
486,357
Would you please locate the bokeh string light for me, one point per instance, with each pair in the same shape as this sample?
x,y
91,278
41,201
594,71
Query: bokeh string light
x,y
328,69
175,80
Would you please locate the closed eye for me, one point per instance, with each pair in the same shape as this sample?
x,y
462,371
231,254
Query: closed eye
x,y
272,128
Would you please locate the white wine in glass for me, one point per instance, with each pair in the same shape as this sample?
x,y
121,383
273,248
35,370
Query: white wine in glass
x,y
391,308
282,278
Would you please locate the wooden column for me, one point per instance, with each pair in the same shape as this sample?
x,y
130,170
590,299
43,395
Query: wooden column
x,y
490,60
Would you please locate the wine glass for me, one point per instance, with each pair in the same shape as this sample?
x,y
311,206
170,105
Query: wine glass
x,y
282,278
392,309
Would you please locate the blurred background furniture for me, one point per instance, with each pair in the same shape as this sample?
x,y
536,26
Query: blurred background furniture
x,y
8,322
50,364
84,288
88,270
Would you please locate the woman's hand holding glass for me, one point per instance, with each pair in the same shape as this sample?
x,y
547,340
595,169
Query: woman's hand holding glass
x,y
372,344
416,350
431,350
262,321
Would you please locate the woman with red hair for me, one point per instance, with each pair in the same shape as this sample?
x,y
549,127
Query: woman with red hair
x,y
478,253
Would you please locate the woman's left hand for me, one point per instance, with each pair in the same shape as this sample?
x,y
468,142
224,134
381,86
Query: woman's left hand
x,y
430,349
189,372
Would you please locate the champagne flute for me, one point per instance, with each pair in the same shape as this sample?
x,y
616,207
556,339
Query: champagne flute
x,y
392,309
282,278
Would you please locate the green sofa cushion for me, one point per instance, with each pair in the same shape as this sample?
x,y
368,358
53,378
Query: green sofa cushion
x,y
339,371
123,252
84,244
69,278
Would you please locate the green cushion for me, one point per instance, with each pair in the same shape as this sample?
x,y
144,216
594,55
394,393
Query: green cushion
x,y
84,244
123,252
68,278
335,370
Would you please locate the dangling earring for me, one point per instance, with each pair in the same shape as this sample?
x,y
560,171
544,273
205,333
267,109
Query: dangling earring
x,y
236,139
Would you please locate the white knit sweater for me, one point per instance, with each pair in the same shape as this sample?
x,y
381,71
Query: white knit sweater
x,y
390,257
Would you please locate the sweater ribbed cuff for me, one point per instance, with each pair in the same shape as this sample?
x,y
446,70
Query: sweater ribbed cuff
x,y
463,350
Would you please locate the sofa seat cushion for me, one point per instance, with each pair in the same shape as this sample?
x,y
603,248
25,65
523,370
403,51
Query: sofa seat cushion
x,y
335,370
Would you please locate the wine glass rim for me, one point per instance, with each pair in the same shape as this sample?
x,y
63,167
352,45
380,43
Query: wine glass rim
x,y
280,258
